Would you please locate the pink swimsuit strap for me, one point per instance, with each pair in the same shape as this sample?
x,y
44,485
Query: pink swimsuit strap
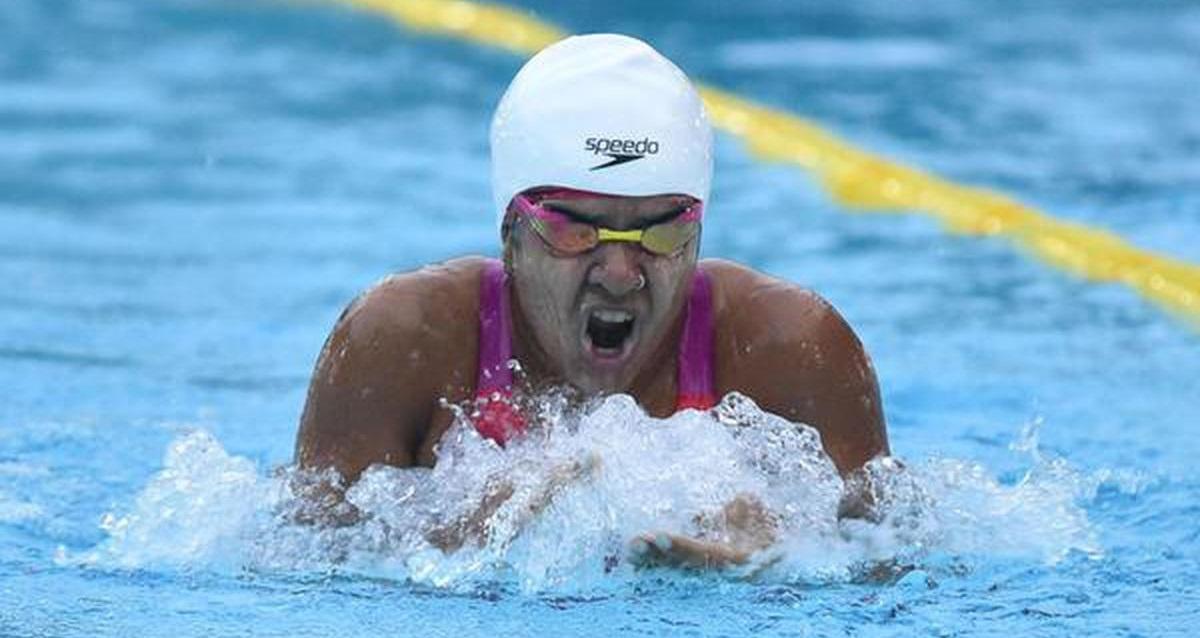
x,y
495,332
694,380
499,420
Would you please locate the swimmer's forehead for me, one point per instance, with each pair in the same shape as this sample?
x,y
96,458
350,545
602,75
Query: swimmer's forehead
x,y
618,211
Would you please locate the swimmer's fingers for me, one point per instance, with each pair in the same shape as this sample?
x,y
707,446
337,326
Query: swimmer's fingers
x,y
498,493
318,500
674,550
471,527
573,471
560,478
749,523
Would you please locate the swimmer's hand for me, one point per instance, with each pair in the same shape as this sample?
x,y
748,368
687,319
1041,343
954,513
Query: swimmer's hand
x,y
473,526
728,538
675,550
319,499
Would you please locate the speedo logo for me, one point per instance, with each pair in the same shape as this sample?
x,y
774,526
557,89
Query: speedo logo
x,y
620,151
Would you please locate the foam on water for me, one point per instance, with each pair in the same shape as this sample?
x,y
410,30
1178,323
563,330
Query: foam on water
x,y
608,473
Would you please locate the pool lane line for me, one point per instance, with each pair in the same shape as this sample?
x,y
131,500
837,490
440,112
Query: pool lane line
x,y
491,24
853,177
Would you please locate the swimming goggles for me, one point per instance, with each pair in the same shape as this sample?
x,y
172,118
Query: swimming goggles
x,y
571,235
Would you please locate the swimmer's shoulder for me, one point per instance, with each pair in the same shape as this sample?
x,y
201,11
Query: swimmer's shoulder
x,y
790,350
747,301
400,347
425,321
433,306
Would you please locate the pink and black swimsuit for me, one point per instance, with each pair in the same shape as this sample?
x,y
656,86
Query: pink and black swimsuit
x,y
499,420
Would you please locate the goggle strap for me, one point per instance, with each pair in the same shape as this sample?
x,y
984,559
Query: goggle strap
x,y
608,234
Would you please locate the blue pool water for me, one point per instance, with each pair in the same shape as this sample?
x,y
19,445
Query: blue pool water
x,y
191,190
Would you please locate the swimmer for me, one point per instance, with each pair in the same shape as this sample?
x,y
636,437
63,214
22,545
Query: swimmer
x,y
601,166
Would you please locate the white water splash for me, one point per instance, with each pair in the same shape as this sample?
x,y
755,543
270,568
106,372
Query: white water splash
x,y
619,473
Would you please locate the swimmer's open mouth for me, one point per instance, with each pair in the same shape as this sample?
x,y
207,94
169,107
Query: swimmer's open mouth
x,y
608,331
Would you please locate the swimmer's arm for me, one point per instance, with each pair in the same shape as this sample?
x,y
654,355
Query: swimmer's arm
x,y
472,527
356,414
797,357
850,419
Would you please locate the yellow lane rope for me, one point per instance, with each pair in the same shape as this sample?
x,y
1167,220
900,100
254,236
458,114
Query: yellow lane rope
x,y
489,24
855,178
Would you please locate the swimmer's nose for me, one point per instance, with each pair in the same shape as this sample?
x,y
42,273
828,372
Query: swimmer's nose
x,y
618,268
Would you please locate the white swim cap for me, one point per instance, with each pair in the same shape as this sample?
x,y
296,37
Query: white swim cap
x,y
604,113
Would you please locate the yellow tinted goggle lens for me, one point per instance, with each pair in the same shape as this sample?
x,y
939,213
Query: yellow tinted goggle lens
x,y
668,238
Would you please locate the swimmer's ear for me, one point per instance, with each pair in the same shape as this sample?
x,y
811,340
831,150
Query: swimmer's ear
x,y
508,256
506,228
506,238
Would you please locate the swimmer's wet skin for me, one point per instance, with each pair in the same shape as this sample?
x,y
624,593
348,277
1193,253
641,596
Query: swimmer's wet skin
x,y
600,291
